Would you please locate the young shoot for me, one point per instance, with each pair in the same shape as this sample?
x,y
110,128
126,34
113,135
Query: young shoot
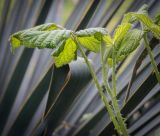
x,y
112,50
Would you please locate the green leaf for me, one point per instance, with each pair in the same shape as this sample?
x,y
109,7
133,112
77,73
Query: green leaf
x,y
130,18
143,17
46,36
30,105
47,27
68,53
40,39
91,38
31,37
129,43
120,32
157,19
90,43
108,40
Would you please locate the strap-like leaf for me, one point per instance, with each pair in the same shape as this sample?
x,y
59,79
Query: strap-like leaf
x,y
40,39
91,38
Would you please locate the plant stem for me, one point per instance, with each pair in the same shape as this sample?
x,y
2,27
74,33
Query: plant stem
x,y
103,97
114,98
114,73
152,58
104,73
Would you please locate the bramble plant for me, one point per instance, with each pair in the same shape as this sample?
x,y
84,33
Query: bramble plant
x,y
112,50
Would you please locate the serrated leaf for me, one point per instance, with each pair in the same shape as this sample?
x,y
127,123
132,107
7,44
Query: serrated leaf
x,y
91,38
157,19
129,43
40,39
68,54
91,31
145,20
21,37
120,32
90,43
108,40
129,18
47,27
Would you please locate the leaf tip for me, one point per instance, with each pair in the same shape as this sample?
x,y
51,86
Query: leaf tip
x,y
15,43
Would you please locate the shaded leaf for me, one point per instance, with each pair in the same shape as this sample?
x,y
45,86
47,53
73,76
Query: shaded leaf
x,y
157,19
138,63
59,78
147,82
31,104
78,75
72,75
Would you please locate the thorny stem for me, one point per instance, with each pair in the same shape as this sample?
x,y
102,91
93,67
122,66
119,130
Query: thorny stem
x,y
113,72
104,73
151,57
114,99
112,95
100,91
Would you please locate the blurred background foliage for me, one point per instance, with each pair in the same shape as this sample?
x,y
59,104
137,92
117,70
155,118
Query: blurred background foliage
x,y
36,98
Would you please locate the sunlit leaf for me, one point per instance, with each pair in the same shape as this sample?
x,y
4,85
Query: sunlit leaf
x,y
31,37
145,20
120,32
157,19
108,40
129,43
91,38
130,18
68,54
